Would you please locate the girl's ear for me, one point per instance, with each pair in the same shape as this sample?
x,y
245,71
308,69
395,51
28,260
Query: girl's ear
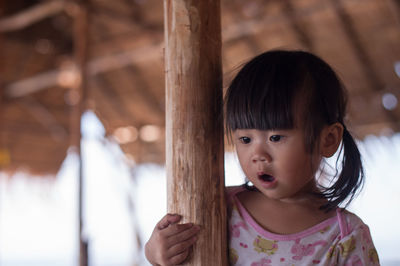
x,y
331,136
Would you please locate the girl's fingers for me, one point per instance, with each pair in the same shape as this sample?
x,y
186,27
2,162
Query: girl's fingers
x,y
185,234
167,220
181,246
179,258
176,229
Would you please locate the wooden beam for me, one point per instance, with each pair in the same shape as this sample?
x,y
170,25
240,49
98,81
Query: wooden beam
x,y
17,128
31,85
46,118
394,7
135,18
366,64
358,48
143,88
113,100
152,52
194,125
250,40
99,65
297,27
107,63
254,26
32,15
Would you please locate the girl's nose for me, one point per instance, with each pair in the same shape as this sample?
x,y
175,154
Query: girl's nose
x,y
261,155
261,158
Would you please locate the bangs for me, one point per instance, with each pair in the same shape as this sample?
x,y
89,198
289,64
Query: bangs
x,y
262,94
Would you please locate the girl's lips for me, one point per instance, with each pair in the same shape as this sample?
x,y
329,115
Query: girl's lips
x,y
267,181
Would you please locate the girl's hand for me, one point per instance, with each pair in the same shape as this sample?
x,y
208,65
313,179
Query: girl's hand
x,y
170,242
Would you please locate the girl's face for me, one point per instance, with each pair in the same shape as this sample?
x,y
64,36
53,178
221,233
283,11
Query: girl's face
x,y
276,162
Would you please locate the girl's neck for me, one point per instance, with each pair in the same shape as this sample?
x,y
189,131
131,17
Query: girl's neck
x,y
307,200
283,217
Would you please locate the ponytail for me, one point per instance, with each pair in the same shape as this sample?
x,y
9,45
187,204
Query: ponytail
x,y
351,178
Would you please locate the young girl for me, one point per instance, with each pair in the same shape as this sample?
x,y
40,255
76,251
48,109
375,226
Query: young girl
x,y
285,113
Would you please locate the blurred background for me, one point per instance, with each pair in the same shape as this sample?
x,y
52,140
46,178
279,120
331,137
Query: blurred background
x,y
82,116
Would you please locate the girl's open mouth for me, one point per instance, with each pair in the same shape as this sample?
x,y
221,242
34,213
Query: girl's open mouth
x,y
266,178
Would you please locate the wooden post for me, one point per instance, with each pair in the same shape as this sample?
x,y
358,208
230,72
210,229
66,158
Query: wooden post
x,y
194,124
79,13
5,158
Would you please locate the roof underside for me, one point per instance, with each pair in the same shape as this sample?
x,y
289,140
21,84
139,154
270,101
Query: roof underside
x,y
359,38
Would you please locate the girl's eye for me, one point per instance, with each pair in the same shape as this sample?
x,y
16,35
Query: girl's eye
x,y
275,138
245,140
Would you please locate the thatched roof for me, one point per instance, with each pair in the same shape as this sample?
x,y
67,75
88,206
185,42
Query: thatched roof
x,y
359,38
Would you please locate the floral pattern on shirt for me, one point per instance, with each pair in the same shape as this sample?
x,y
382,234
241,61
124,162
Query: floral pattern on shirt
x,y
340,240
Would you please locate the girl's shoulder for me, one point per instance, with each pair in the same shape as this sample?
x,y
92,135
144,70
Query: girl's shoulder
x,y
355,245
349,222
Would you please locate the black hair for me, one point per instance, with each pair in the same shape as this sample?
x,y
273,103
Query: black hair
x,y
263,96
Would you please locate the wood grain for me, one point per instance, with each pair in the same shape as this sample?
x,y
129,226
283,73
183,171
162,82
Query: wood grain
x,y
194,124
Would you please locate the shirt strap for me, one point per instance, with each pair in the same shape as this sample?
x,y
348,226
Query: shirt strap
x,y
344,227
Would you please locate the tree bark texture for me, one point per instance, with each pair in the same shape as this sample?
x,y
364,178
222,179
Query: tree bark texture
x,y
194,123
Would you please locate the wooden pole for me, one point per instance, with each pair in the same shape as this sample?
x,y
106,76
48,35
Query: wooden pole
x,y
5,158
78,92
194,124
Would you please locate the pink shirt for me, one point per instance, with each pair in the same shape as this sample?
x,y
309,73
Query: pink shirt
x,y
340,240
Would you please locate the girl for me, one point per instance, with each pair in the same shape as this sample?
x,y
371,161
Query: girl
x,y
285,113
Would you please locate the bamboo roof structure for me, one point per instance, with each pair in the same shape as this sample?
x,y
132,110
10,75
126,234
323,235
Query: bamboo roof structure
x,y
125,68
